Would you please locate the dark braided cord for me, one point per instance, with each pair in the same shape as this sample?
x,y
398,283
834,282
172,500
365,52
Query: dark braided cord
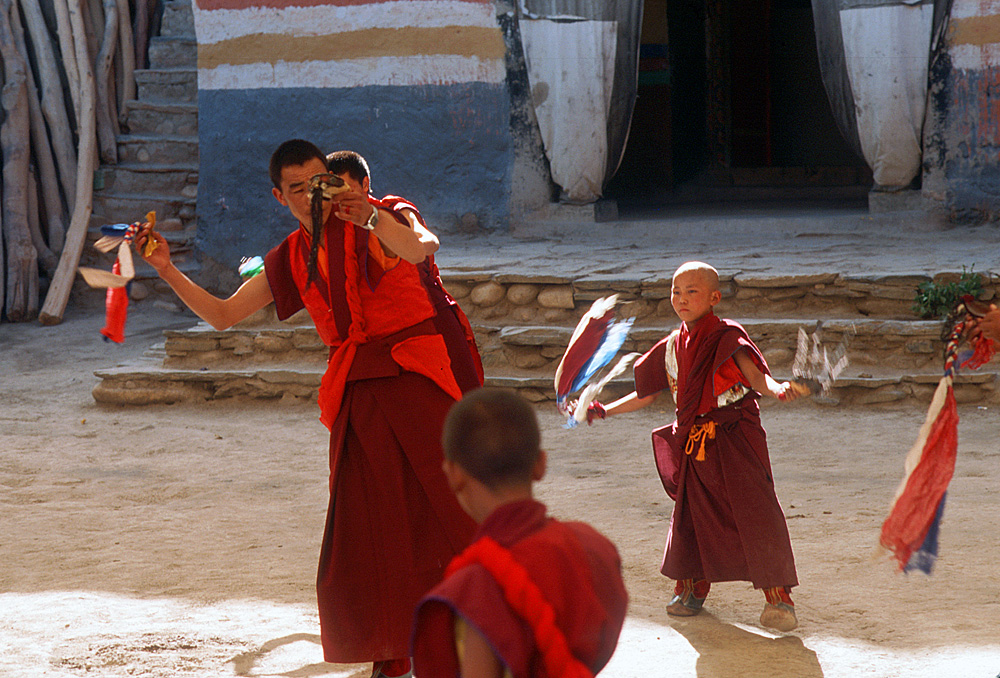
x,y
316,210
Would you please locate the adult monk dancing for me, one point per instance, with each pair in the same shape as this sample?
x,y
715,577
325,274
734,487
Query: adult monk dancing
x,y
392,524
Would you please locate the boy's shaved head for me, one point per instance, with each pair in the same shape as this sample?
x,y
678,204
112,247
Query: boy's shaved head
x,y
493,435
706,272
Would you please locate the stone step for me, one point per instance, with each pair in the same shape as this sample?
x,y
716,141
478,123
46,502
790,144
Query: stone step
x,y
169,85
178,19
128,207
173,52
179,180
149,118
522,299
886,344
147,381
874,346
158,149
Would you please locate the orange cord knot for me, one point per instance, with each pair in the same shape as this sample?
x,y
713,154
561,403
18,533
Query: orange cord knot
x,y
697,436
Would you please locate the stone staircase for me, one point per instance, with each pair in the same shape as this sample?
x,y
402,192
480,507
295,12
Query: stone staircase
x,y
524,322
157,166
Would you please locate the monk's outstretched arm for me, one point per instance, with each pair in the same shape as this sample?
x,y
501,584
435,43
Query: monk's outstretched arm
x,y
630,403
428,240
221,314
397,239
760,382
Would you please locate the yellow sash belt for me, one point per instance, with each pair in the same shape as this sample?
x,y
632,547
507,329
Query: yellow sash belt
x,y
697,436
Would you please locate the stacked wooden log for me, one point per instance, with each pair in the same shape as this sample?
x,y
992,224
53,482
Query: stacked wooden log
x,y
68,69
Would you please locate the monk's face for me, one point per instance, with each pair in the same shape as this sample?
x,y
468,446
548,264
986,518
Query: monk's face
x,y
693,295
294,193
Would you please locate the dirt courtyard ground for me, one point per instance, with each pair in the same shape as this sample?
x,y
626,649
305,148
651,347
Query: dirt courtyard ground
x,y
182,540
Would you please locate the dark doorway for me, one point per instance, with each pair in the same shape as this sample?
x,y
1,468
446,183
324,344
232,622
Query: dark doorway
x,y
731,105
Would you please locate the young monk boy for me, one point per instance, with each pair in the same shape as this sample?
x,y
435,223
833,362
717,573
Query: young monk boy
x,y
532,596
727,524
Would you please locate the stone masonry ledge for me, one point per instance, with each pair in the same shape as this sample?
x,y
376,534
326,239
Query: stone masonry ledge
x,y
903,346
525,299
155,384
871,343
152,384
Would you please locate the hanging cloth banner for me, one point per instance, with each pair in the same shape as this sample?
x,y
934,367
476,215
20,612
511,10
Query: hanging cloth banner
x,y
582,62
874,56
886,50
571,71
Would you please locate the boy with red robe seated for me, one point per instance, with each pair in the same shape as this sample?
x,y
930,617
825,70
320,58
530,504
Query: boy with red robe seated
x,y
532,596
727,524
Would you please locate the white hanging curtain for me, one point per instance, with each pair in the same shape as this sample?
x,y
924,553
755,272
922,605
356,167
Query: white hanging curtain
x,y
874,56
582,63
887,50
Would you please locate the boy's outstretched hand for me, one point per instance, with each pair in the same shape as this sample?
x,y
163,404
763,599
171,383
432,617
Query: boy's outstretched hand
x,y
595,410
792,390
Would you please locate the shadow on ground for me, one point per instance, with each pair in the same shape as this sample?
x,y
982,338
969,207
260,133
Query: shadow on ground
x,y
721,647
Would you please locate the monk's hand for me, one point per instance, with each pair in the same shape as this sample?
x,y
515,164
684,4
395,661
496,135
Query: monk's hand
x,y
353,207
159,255
596,410
792,390
989,325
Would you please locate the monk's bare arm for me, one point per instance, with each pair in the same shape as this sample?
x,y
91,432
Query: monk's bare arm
x,y
428,240
760,382
221,314
477,659
629,403
397,239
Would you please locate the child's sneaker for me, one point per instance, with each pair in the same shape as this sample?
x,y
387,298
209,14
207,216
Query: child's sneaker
x,y
780,617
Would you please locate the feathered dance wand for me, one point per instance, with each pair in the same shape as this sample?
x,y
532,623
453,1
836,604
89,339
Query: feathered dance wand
x,y
814,369
595,342
117,236
910,531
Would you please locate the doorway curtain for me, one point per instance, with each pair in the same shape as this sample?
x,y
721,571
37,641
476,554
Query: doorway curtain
x,y
582,60
874,57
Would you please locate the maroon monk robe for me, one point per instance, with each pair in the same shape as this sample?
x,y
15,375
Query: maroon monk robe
x,y
449,319
577,571
727,524
392,522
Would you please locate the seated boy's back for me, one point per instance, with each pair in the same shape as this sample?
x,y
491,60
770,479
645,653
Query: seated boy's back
x,y
532,596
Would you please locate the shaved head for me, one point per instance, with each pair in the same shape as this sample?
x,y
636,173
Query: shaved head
x,y
707,273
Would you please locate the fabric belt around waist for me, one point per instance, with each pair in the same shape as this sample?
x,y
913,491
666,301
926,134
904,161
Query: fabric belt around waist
x,y
373,359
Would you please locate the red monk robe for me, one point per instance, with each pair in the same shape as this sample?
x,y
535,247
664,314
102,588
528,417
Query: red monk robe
x,y
392,523
449,319
577,572
727,524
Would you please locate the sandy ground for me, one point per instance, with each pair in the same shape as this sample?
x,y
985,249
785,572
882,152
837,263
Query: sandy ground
x,y
182,540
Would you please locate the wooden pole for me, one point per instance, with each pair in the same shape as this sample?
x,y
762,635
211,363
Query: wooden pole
x,y
62,281
22,258
53,103
46,257
141,32
55,231
68,50
127,51
106,120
